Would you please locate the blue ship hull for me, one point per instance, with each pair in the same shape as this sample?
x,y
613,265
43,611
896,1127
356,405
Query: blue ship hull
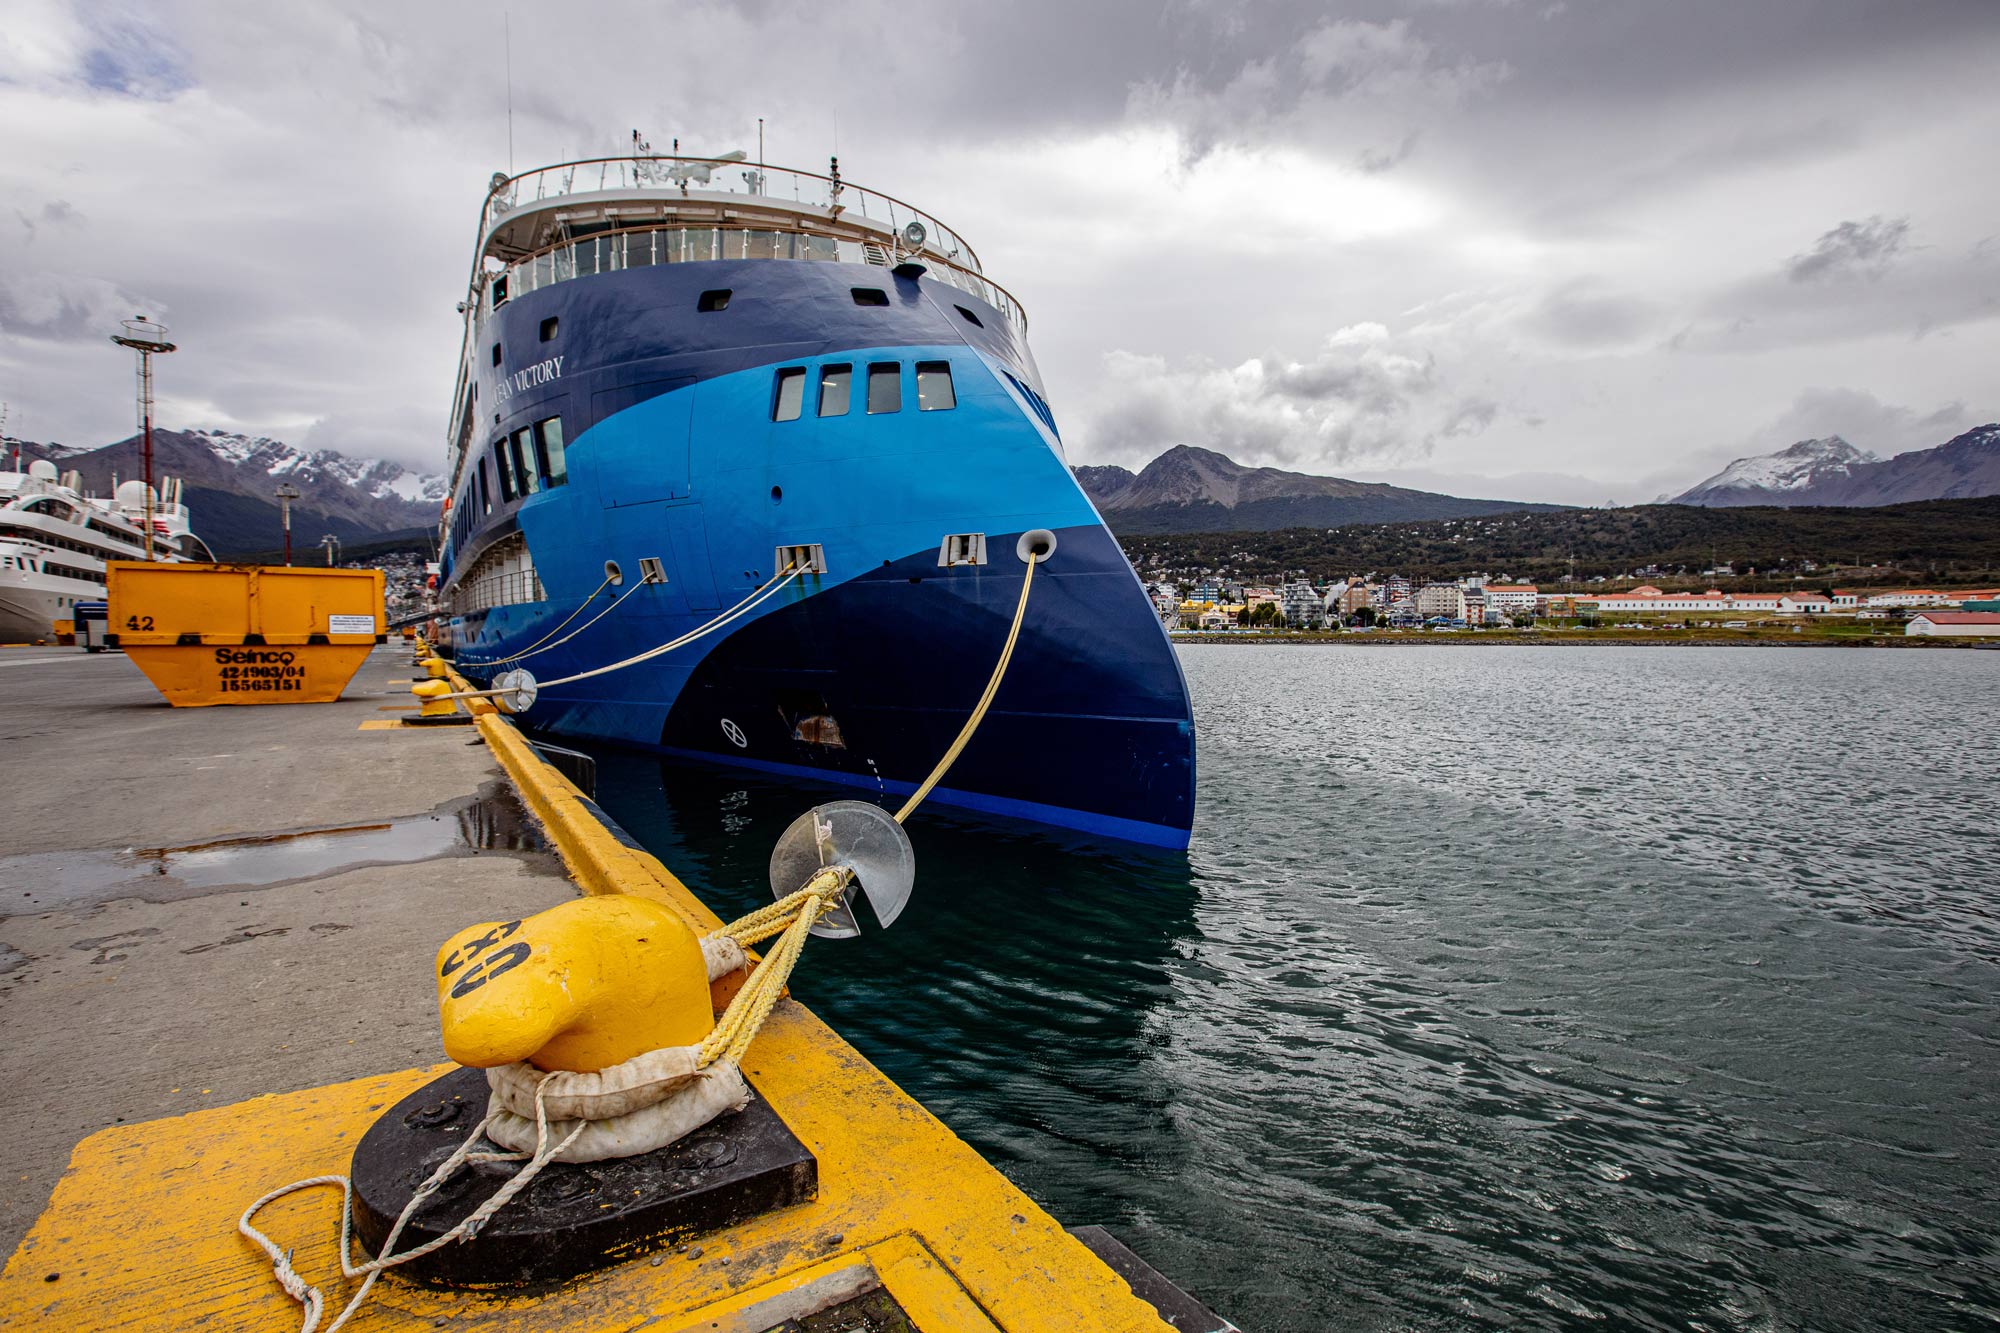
x,y
864,674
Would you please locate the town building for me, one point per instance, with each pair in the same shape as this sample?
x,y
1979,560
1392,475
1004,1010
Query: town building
x,y
1441,599
1301,606
1357,596
1954,624
1511,597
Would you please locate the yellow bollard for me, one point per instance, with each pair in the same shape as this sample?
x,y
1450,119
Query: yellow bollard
x,y
433,695
435,666
583,986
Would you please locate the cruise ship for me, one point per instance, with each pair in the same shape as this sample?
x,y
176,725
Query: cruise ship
x,y
682,377
55,540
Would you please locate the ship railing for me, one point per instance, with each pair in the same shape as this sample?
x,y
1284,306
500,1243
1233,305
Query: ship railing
x,y
643,247
717,175
491,590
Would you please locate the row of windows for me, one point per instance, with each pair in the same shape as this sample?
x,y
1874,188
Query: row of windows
x,y
529,461
50,539
644,248
884,389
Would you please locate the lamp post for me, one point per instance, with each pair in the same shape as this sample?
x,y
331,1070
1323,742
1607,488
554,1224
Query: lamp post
x,y
332,545
146,337
286,494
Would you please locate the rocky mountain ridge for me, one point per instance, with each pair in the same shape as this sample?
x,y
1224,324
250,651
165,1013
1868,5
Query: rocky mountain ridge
x,y
1189,489
230,480
1832,472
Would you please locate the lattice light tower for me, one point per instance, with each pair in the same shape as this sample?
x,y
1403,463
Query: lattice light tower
x,y
146,337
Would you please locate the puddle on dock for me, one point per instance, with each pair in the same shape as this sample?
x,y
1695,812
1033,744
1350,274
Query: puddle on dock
x,y
492,821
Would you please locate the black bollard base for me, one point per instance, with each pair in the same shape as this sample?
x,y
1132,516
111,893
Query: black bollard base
x,y
572,1219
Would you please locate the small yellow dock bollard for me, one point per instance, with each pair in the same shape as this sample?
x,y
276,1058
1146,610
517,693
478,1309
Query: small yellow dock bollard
x,y
435,696
582,986
435,667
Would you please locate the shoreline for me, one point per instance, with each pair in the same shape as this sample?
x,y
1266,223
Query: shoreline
x,y
1587,639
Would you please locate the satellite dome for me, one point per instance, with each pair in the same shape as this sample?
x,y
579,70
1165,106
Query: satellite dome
x,y
132,494
42,470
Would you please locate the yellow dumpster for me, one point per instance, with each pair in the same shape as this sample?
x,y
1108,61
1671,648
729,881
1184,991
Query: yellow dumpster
x,y
65,631
244,634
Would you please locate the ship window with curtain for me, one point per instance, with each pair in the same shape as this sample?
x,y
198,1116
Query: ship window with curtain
x,y
790,399
485,489
506,473
524,461
554,467
550,327
934,392
835,385
712,301
870,296
885,387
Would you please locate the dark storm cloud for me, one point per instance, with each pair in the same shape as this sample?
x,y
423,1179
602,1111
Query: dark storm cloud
x,y
1862,249
1505,207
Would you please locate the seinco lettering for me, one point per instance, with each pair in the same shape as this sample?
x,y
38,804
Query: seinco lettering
x,y
528,377
255,656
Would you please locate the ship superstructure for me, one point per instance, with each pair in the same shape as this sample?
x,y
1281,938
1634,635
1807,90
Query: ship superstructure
x,y
683,376
55,539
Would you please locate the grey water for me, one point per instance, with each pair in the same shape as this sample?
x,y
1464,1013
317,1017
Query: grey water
x,y
1501,988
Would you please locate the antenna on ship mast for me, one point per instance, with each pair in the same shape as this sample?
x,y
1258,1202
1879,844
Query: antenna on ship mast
x,y
507,32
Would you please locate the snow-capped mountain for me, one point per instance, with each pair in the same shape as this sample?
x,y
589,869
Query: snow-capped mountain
x,y
1834,472
1764,479
232,480
274,458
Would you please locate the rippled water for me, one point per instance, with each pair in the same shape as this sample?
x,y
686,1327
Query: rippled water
x,y
1503,986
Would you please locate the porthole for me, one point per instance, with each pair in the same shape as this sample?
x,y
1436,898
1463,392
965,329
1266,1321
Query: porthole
x,y
713,301
970,318
777,495
870,296
550,327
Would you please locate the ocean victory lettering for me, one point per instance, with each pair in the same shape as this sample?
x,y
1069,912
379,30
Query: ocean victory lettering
x,y
528,377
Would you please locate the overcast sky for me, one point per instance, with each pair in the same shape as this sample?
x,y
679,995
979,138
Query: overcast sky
x,y
1578,250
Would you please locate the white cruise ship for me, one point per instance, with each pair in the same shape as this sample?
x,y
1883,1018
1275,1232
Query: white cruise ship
x,y
55,540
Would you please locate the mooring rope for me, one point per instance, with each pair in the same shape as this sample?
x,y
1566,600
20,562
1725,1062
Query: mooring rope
x,y
985,700
566,619
540,647
748,604
309,1296
791,919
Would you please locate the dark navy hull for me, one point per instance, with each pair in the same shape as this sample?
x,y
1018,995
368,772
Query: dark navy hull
x,y
862,675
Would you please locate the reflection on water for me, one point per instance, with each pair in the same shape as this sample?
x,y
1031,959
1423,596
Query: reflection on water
x,y
1503,987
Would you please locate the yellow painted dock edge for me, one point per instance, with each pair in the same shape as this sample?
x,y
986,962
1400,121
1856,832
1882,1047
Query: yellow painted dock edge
x,y
140,1233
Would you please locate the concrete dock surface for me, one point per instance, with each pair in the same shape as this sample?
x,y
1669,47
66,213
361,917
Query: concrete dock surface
x,y
201,905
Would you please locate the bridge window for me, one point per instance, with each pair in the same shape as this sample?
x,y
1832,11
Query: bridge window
x,y
506,473
554,467
885,387
791,394
712,301
870,296
835,384
524,461
934,392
